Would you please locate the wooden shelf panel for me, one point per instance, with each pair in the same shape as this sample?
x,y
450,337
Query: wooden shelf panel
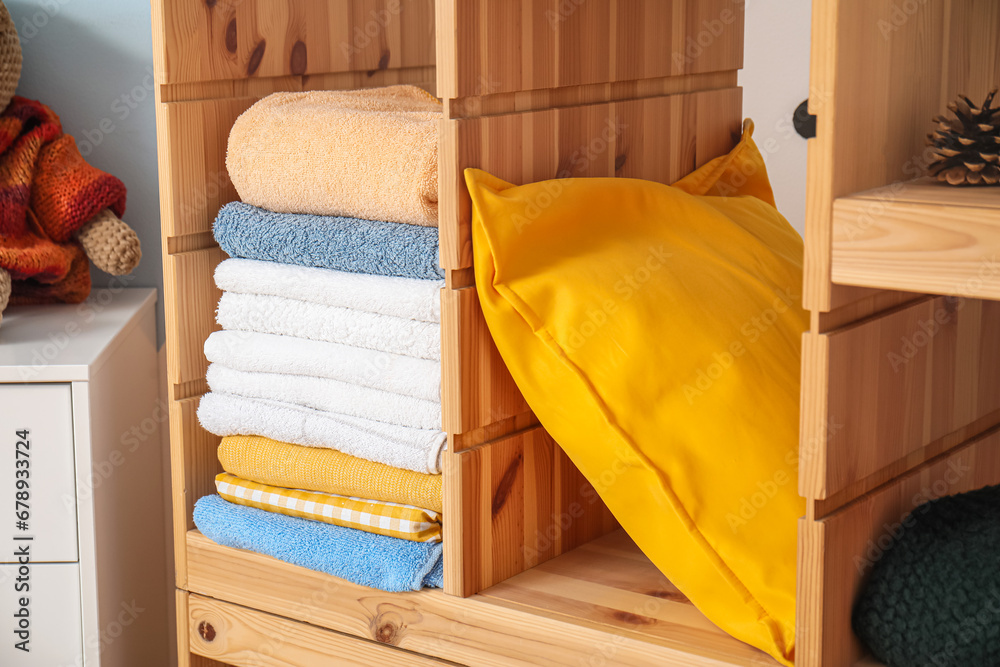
x,y
609,584
919,236
604,598
837,552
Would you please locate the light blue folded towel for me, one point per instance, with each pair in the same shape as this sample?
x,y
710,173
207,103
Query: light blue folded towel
x,y
376,561
342,244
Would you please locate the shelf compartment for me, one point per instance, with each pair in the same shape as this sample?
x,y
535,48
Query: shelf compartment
x,y
604,598
919,235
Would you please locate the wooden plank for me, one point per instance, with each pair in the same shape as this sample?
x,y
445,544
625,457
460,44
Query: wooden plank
x,y
184,656
920,236
193,467
610,583
850,304
500,46
248,638
477,631
895,384
512,504
476,389
837,552
658,138
194,183
879,74
189,305
207,41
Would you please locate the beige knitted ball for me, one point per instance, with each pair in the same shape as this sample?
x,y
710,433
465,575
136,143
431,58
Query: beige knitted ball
x,y
10,57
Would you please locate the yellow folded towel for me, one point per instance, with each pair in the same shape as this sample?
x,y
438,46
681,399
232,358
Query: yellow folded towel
x,y
392,519
275,463
368,154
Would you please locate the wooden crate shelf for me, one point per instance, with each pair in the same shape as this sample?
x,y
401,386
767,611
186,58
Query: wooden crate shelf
x,y
922,236
602,599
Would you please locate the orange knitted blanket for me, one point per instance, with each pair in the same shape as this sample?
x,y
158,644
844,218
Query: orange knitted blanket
x,y
47,193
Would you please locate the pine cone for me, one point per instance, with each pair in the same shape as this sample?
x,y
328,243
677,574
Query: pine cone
x,y
967,147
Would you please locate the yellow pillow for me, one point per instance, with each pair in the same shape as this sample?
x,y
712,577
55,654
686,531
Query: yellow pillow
x,y
655,331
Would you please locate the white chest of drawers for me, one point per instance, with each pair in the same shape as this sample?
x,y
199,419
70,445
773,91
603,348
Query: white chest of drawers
x,y
83,572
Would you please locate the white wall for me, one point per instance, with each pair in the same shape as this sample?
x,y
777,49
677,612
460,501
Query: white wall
x,y
92,62
775,81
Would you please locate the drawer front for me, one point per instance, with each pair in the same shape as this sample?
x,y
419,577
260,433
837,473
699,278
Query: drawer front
x,y
883,394
50,622
37,472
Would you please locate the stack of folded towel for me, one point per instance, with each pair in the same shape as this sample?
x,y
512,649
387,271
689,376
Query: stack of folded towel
x,y
325,379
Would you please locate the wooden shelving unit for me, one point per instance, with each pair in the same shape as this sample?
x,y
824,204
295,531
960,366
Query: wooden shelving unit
x,y
900,385
531,90
922,236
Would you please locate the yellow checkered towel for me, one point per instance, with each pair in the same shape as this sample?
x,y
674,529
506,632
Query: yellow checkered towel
x,y
392,519
281,464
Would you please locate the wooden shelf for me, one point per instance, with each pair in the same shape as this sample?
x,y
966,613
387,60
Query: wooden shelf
x,y
919,236
604,598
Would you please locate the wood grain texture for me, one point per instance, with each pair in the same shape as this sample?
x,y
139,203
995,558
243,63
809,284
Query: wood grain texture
x,y
248,638
838,551
608,582
660,139
895,384
184,656
211,40
190,299
879,74
498,46
476,389
920,236
194,183
193,467
512,504
503,628
850,304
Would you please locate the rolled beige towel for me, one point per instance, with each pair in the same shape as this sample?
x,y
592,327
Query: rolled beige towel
x,y
368,154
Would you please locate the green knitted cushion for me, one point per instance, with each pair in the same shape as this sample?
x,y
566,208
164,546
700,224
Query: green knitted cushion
x,y
933,598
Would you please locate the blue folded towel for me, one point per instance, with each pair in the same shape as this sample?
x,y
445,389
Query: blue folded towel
x,y
343,244
376,561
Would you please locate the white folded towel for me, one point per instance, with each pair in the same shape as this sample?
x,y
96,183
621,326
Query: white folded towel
x,y
291,317
398,446
407,298
327,395
269,353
